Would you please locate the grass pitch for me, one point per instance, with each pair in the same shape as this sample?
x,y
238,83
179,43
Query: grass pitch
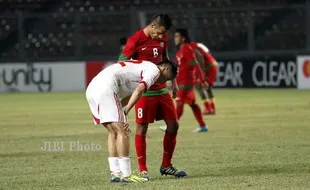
x,y
260,139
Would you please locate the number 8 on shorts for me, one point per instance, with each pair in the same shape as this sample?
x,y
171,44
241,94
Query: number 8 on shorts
x,y
140,112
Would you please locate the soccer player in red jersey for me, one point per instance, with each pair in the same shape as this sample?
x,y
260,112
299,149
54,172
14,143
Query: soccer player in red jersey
x,y
151,44
209,66
188,67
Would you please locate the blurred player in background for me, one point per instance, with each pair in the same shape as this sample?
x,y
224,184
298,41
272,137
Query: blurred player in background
x,y
209,66
151,43
188,68
122,84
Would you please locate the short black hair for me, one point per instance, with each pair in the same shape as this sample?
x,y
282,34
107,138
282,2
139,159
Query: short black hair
x,y
184,33
123,40
163,20
174,67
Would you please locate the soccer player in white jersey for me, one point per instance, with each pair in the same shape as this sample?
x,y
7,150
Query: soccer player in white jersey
x,y
111,95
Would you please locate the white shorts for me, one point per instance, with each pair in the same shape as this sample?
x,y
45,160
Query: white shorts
x,y
105,107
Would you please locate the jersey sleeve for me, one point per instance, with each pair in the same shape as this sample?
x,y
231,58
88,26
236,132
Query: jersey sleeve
x,y
210,58
149,77
129,49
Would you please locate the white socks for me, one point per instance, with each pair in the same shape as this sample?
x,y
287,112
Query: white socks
x,y
114,165
118,165
124,166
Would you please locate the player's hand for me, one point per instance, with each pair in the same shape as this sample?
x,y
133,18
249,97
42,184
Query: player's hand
x,y
125,110
174,93
127,128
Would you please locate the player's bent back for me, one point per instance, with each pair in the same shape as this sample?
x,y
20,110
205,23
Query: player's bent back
x,y
123,77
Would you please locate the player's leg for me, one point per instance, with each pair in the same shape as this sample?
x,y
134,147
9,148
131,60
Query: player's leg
x,y
145,110
94,106
122,148
180,108
113,158
140,145
201,91
167,112
211,99
118,139
190,99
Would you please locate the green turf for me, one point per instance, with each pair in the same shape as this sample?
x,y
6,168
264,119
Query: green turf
x,y
259,139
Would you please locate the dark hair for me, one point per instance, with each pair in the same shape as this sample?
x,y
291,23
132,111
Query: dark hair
x,y
174,67
163,20
123,40
184,33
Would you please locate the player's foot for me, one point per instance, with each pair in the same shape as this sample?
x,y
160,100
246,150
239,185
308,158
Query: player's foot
x,y
115,178
201,129
133,179
208,112
163,128
172,171
145,175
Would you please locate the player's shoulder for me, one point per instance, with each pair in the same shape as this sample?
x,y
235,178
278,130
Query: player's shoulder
x,y
187,47
137,35
193,44
165,37
203,47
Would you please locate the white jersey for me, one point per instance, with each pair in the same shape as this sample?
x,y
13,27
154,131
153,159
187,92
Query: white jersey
x,y
124,77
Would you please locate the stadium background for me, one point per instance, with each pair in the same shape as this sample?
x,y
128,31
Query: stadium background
x,y
258,139
238,32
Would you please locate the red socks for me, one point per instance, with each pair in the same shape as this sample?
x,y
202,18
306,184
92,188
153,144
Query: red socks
x,y
212,106
198,115
140,144
169,146
207,106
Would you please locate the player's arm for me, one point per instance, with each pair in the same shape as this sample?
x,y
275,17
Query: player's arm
x,y
129,49
125,100
135,97
193,62
199,72
211,59
149,76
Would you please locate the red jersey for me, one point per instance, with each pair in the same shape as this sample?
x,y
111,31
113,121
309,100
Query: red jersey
x,y
187,66
142,47
207,58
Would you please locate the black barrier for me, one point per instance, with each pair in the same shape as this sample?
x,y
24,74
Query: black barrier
x,y
261,73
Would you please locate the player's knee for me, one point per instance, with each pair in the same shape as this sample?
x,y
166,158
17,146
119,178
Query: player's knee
x,y
119,128
141,129
172,127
